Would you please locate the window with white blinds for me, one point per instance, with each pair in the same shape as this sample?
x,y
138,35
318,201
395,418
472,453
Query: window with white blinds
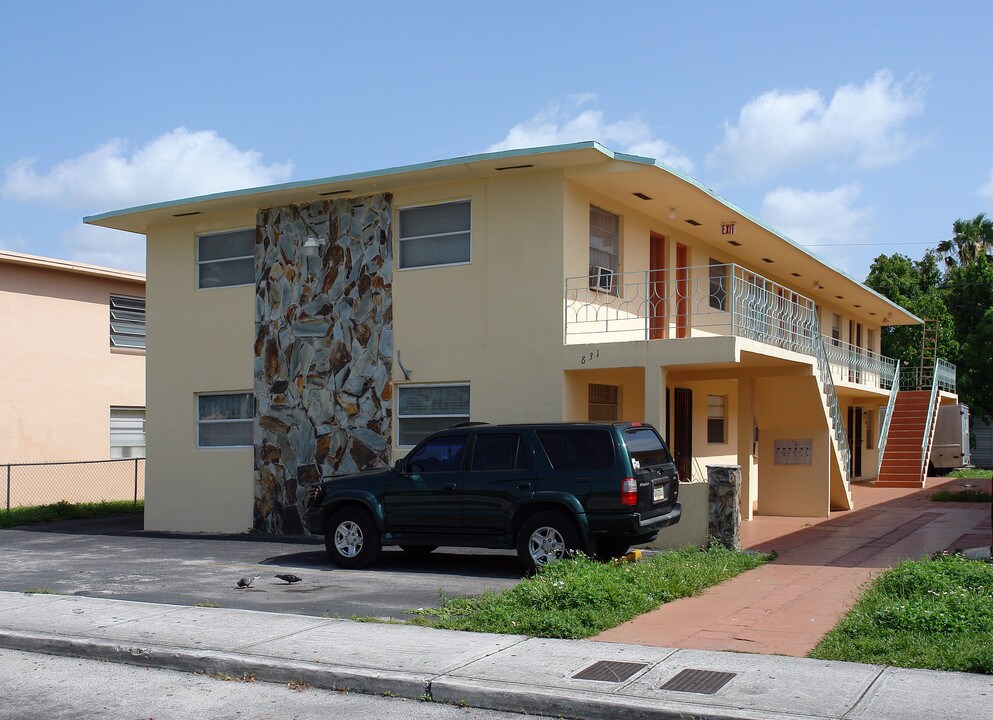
x,y
605,239
424,409
127,322
127,433
225,420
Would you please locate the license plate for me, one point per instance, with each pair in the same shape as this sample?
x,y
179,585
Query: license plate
x,y
658,494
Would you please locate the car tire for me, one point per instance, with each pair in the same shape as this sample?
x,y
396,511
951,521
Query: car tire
x,y
352,538
546,537
418,551
606,552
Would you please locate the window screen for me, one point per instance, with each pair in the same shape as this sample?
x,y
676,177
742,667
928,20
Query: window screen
x,y
605,239
424,409
227,258
225,420
435,234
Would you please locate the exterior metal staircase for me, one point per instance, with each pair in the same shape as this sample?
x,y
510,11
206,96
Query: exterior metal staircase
x,y
908,443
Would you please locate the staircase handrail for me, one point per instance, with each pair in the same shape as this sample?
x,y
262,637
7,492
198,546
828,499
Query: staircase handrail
x,y
827,381
928,423
884,430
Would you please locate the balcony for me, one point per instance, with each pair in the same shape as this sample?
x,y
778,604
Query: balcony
x,y
712,300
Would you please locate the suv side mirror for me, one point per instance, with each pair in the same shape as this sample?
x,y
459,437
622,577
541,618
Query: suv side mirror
x,y
400,466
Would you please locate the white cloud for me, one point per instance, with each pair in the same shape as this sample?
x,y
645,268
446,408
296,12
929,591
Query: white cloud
x,y
180,163
556,125
819,218
781,130
110,248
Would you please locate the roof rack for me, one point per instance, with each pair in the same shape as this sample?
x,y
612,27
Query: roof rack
x,y
467,424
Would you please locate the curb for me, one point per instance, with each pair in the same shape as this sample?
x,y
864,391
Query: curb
x,y
508,697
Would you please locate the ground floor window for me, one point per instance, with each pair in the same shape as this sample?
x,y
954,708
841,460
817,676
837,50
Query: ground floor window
x,y
225,420
716,419
424,409
127,433
604,403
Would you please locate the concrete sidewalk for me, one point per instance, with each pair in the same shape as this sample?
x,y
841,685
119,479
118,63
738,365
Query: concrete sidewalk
x,y
501,672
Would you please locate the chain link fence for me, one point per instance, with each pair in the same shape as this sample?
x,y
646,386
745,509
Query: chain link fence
x,y
74,482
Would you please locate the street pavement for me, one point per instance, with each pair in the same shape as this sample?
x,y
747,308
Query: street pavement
x,y
500,672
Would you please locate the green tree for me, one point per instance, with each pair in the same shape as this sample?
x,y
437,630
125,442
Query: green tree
x,y
917,286
971,241
969,298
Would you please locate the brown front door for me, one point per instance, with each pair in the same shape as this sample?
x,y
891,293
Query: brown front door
x,y
682,432
682,291
657,315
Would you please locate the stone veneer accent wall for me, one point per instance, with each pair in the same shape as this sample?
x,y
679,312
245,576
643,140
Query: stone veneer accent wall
x,y
323,350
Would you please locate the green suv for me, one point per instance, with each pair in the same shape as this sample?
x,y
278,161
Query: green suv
x,y
545,490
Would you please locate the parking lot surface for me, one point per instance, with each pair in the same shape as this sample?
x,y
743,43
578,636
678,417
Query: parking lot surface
x,y
114,558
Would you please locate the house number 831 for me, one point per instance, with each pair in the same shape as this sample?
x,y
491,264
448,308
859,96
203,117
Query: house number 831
x,y
588,357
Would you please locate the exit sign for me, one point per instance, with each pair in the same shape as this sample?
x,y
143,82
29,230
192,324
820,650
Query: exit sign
x,y
727,228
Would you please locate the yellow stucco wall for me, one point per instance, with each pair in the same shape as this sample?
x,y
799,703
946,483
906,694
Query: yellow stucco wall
x,y
60,376
200,341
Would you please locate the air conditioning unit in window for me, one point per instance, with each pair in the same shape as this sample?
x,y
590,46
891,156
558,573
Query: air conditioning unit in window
x,y
601,278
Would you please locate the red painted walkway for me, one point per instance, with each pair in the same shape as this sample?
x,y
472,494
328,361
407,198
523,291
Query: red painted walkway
x,y
787,605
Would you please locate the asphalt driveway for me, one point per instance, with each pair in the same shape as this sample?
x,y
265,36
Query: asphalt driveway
x,y
114,558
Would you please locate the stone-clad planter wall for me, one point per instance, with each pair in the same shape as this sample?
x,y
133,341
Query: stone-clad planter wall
x,y
323,349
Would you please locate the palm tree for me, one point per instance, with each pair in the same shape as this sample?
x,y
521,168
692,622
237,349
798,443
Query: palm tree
x,y
971,240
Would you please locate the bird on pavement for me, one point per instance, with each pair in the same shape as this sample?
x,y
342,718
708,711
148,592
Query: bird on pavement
x,y
246,582
290,578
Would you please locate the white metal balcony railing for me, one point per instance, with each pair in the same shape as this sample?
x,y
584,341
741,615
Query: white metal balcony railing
x,y
709,301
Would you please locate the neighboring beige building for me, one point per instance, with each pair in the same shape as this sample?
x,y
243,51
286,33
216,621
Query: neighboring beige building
x,y
314,327
72,369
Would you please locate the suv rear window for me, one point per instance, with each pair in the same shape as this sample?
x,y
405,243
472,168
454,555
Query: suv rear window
x,y
645,446
572,449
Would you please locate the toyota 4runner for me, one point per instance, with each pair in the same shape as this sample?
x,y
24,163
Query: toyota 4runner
x,y
545,489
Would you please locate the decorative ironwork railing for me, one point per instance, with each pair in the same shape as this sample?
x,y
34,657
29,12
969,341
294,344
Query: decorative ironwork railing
x,y
854,364
710,300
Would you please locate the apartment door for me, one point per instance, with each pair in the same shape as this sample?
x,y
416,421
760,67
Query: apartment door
x,y
682,291
855,439
682,432
658,318
854,351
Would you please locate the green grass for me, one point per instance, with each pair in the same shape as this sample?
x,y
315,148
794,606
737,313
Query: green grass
x,y
35,514
935,614
971,474
580,597
969,495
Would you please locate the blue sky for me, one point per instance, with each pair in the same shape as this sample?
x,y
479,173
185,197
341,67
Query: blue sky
x,y
855,128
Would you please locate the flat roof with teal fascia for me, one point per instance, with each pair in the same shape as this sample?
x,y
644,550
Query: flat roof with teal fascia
x,y
135,219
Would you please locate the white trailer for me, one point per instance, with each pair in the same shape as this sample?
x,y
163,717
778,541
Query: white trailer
x,y
950,448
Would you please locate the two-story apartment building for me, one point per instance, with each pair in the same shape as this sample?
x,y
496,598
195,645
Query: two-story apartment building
x,y
72,385
316,327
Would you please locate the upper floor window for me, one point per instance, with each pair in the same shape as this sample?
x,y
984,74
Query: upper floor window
x,y
127,322
718,285
835,329
605,249
435,234
225,259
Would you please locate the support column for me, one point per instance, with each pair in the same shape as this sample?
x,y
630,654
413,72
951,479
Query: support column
x,y
655,398
725,521
746,426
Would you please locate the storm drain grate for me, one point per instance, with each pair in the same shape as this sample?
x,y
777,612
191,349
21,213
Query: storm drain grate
x,y
705,682
610,671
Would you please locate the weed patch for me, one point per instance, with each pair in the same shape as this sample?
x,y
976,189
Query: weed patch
x,y
35,514
935,614
967,495
579,597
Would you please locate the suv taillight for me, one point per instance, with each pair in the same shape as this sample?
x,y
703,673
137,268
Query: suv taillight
x,y
629,491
